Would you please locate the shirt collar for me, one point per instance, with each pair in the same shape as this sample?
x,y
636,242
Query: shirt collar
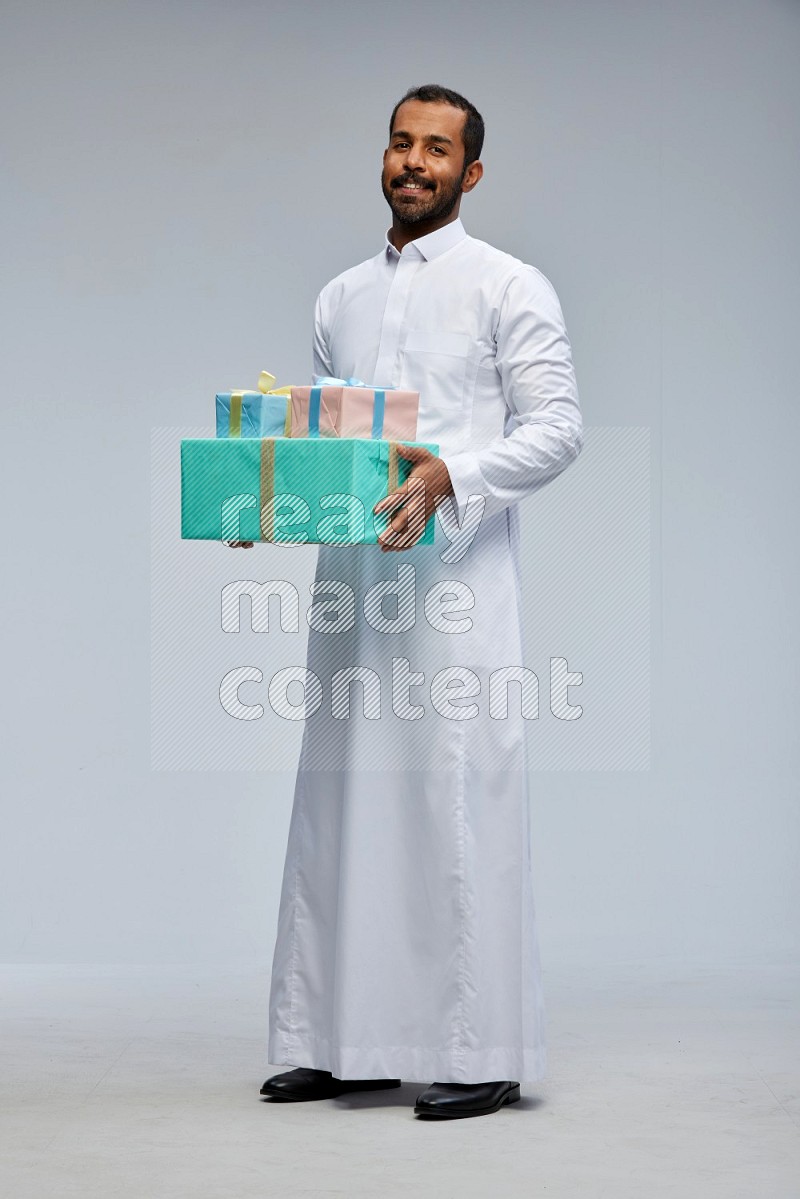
x,y
432,244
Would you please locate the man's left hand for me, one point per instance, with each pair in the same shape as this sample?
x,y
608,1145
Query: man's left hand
x,y
413,503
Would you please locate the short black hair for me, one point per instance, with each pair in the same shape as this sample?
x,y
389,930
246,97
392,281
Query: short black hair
x,y
433,93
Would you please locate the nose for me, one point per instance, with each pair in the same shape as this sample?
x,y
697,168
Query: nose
x,y
414,159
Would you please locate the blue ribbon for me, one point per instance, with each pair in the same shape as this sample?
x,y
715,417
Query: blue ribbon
x,y
329,381
315,400
313,411
378,411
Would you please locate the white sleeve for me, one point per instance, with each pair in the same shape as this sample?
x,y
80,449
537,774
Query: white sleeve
x,y
321,353
534,359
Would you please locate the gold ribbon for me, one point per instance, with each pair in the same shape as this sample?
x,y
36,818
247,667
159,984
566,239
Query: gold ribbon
x,y
235,415
267,488
394,468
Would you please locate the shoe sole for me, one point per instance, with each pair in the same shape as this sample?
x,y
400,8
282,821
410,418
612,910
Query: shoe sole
x,y
511,1097
299,1097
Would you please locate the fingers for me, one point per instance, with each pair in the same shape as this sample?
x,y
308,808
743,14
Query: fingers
x,y
404,528
413,489
390,501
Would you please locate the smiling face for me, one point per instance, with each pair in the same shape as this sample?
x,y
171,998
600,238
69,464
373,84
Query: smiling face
x,y
423,166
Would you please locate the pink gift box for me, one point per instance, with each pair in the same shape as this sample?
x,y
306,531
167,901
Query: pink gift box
x,y
351,411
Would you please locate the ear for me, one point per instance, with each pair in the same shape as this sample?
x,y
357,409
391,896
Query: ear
x,y
473,175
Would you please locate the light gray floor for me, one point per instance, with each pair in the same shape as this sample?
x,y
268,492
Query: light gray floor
x,y
132,1081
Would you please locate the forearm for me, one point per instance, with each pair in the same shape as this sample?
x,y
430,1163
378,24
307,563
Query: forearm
x,y
511,468
534,363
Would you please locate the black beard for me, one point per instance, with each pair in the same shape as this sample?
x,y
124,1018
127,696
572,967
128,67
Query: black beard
x,y
443,206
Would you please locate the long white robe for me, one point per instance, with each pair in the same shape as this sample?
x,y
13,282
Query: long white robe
x,y
407,942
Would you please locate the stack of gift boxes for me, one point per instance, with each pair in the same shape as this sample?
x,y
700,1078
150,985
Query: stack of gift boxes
x,y
299,464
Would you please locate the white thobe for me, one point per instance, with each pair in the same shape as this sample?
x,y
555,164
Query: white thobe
x,y
407,943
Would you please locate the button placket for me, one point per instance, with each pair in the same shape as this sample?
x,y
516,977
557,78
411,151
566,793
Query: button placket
x,y
386,367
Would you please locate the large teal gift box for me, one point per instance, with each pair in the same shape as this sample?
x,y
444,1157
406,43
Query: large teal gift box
x,y
282,489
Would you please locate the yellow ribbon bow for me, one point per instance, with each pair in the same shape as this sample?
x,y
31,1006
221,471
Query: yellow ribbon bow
x,y
265,381
265,384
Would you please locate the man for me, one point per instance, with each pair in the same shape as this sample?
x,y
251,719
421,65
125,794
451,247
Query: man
x,y
407,943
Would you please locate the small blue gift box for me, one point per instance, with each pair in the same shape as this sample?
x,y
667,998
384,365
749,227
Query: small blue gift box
x,y
251,414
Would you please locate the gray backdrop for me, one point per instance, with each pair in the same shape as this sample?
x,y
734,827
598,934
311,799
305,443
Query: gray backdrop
x,y
180,179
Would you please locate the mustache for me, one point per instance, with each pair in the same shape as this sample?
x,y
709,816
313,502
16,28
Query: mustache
x,y
401,181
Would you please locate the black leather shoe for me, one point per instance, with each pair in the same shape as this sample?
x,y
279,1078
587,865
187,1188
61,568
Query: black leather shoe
x,y
304,1083
454,1099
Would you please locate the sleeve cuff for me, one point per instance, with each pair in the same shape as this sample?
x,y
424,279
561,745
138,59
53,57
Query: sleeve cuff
x,y
466,478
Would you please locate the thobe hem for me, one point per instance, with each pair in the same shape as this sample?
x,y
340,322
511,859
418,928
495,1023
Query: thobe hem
x,y
408,1062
